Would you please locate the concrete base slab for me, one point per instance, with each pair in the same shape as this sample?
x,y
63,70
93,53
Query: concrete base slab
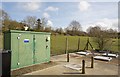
x,y
110,55
103,58
77,67
83,53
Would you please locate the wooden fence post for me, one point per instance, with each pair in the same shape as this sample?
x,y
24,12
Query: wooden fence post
x,y
67,49
92,62
67,57
78,44
83,66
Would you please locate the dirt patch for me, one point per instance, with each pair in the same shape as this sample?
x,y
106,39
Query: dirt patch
x,y
29,69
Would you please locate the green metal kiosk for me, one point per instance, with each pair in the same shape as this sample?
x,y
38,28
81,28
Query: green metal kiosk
x,y
27,47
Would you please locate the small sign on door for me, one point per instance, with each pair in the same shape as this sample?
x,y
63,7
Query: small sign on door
x,y
26,40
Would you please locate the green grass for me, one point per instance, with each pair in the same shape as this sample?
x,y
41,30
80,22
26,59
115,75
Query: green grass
x,y
58,43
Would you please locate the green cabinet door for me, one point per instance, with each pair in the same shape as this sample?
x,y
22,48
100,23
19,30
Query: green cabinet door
x,y
14,48
48,47
25,50
40,49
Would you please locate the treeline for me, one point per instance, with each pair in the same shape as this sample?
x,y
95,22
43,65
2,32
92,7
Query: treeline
x,y
34,24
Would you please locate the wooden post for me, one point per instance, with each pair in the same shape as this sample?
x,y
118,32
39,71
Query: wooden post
x,y
86,46
66,45
87,43
91,45
92,62
78,44
67,50
67,57
83,66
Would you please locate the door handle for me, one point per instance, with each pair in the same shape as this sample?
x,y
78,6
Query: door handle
x,y
46,46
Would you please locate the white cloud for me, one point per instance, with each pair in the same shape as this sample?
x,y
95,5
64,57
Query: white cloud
x,y
46,15
59,0
83,6
50,8
49,23
105,24
29,6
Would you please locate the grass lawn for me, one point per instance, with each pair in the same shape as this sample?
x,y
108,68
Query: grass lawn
x,y
58,44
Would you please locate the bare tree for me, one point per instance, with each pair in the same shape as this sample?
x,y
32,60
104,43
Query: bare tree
x,y
113,33
44,22
4,15
41,25
4,20
30,21
47,29
9,24
94,31
74,28
59,30
100,37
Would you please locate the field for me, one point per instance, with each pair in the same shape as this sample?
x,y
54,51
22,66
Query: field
x,y
58,44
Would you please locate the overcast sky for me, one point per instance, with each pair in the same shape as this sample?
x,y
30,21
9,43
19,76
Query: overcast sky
x,y
60,14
